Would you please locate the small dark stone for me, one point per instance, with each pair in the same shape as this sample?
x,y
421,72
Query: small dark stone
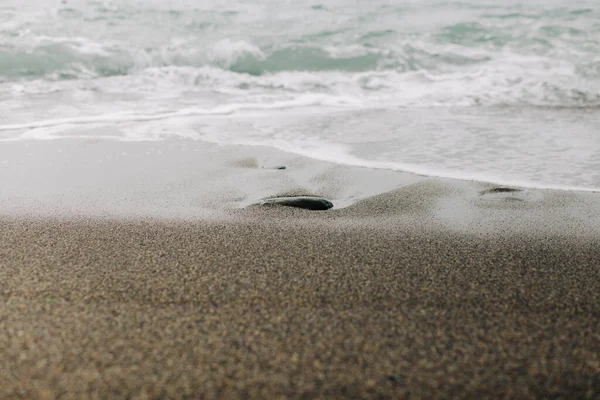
x,y
280,167
395,379
306,202
501,190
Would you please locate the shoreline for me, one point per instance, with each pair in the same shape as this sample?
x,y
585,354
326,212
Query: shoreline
x,y
188,179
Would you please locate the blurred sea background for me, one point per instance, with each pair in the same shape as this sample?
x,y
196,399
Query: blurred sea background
x,y
507,92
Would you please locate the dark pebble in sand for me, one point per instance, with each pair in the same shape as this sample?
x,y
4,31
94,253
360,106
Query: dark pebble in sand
x,y
501,190
395,379
306,202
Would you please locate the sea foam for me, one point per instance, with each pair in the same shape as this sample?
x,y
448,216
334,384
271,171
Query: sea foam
x,y
503,92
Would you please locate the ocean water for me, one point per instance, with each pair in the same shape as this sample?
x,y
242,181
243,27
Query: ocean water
x,y
506,91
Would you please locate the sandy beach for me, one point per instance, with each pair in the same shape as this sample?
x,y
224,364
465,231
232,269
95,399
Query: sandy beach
x,y
432,289
257,199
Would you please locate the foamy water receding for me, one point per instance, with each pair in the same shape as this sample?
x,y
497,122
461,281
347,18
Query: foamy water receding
x,y
476,90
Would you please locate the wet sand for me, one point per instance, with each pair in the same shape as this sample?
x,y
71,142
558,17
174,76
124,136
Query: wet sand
x,y
437,289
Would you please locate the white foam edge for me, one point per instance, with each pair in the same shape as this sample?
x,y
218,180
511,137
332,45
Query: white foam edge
x,y
303,101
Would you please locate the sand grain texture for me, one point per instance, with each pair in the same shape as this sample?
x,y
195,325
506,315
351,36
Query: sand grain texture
x,y
255,309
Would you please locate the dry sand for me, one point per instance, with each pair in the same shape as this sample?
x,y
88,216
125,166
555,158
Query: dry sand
x,y
280,308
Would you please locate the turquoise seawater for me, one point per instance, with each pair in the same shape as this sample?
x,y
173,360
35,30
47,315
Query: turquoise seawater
x,y
476,89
